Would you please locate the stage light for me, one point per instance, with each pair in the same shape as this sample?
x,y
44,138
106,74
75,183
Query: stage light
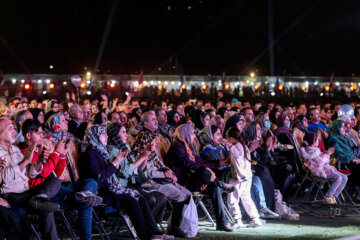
x,y
88,74
352,88
27,86
183,86
204,87
44,92
51,67
227,86
252,74
82,85
160,87
327,88
256,87
136,84
303,88
281,87
51,85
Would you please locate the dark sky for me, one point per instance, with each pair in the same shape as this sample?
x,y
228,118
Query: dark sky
x,y
211,37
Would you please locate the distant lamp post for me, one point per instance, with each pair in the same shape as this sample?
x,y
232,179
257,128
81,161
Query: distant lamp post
x,y
252,74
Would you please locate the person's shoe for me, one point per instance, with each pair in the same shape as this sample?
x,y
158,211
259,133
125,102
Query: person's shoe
x,y
226,228
329,200
162,237
256,222
267,213
43,204
228,187
177,232
89,198
238,224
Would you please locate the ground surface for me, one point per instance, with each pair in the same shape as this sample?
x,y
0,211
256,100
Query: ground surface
x,y
308,227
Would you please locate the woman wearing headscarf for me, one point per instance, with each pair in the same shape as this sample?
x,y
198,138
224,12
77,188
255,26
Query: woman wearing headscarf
x,y
280,171
284,136
193,173
273,115
100,118
222,112
37,114
215,150
300,128
99,165
344,153
130,167
56,130
200,119
173,118
237,121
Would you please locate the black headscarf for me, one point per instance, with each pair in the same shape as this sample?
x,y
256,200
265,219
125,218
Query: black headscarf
x,y
298,122
113,135
231,122
35,112
272,115
170,118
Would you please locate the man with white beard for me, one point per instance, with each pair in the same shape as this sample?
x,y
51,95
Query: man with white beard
x,y
15,176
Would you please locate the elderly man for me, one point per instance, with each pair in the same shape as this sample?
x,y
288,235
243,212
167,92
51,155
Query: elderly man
x,y
163,127
19,119
76,115
315,121
15,176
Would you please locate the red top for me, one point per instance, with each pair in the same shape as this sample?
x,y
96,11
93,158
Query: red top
x,y
55,163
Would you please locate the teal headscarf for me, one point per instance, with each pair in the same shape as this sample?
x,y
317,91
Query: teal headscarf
x,y
343,150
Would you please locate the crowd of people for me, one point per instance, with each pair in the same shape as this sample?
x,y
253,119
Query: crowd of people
x,y
145,157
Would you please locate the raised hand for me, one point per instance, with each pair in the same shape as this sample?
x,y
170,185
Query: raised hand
x,y
61,147
356,160
104,97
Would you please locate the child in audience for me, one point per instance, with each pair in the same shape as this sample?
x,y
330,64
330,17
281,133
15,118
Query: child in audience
x,y
317,163
241,178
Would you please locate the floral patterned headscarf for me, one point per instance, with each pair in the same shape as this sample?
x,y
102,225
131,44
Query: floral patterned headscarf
x,y
53,131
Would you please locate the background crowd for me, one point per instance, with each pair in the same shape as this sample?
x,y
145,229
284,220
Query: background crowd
x,y
147,156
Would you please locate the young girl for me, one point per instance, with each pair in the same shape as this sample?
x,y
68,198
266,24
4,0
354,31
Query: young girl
x,y
318,164
241,178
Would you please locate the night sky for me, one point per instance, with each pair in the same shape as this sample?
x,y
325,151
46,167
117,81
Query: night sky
x,y
195,36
